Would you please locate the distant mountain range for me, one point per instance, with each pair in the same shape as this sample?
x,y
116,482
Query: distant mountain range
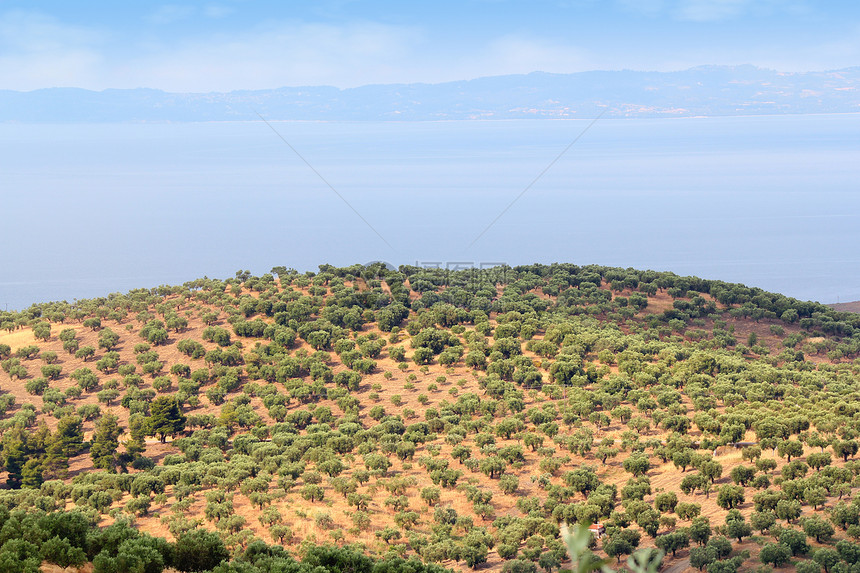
x,y
701,91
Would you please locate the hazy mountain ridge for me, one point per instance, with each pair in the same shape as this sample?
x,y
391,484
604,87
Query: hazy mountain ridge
x,y
700,91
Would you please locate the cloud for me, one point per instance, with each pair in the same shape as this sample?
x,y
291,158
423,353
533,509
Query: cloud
x,y
710,10
171,13
275,55
520,54
31,32
295,53
721,10
836,52
713,10
71,68
217,11
38,51
646,7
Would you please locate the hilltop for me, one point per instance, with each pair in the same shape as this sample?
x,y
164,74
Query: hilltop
x,y
456,417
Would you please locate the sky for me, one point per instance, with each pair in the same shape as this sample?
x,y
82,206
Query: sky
x,y
143,183
242,44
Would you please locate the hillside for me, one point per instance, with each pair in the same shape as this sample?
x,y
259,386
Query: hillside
x,y
459,417
846,306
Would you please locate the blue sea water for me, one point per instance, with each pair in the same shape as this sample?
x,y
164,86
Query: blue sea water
x,y
98,208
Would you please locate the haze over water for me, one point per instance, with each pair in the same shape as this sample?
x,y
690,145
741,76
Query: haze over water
x,y
98,208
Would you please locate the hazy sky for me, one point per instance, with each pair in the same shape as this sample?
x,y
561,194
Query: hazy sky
x,y
237,44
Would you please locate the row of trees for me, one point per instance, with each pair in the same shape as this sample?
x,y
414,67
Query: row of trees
x,y
71,539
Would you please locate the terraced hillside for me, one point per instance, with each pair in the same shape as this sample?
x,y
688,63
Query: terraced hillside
x,y
459,417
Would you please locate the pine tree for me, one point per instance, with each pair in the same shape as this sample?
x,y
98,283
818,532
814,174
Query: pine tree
x,y
106,442
31,473
23,454
14,456
166,418
135,445
65,443
70,434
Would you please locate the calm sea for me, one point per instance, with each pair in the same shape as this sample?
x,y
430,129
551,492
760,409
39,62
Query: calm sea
x,y
92,209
